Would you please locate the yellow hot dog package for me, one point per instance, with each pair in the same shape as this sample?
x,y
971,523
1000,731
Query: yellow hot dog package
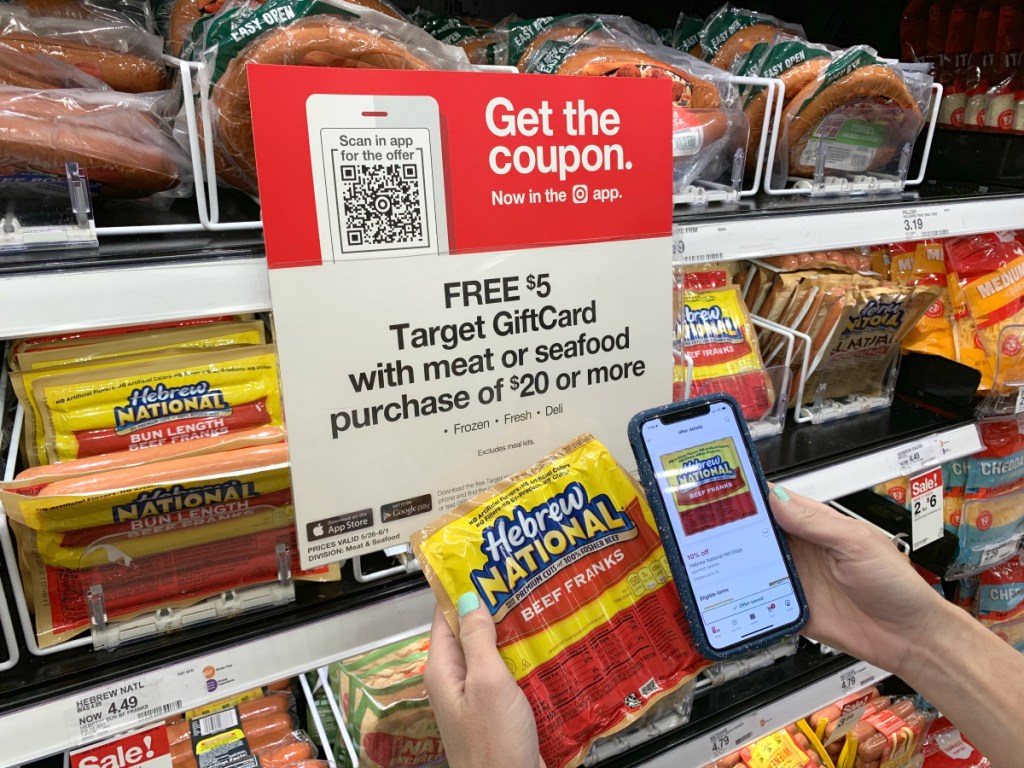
x,y
206,336
567,559
226,480
157,402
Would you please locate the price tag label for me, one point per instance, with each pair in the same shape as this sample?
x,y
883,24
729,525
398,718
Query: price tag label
x,y
853,711
121,705
720,742
926,507
998,552
731,737
919,455
921,223
696,243
142,749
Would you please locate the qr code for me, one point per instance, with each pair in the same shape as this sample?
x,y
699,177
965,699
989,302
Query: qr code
x,y
382,205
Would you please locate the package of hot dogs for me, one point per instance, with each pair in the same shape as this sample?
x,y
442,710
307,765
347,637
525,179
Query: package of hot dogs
x,y
310,32
121,141
582,600
135,12
37,71
858,114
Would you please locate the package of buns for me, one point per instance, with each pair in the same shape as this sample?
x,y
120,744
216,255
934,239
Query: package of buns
x,y
859,114
329,33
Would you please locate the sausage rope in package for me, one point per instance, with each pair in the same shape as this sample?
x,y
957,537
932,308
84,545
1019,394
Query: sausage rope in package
x,y
136,12
566,558
562,31
310,32
386,709
708,125
121,55
730,33
120,141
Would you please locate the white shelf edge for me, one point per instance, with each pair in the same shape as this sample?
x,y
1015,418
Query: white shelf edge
x,y
52,302
248,665
772,717
777,234
848,476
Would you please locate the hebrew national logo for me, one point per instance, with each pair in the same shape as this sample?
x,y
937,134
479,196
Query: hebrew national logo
x,y
542,540
147,405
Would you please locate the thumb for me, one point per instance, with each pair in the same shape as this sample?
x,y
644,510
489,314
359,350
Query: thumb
x,y
811,520
479,638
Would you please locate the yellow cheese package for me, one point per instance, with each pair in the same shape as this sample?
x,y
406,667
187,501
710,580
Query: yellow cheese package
x,y
567,559
989,269
173,399
146,492
208,336
714,328
922,262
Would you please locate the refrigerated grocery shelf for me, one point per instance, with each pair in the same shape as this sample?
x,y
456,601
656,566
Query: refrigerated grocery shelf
x,y
330,621
138,279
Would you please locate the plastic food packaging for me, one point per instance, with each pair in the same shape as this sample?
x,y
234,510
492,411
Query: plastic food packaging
x,y
122,55
714,329
385,705
585,600
120,141
563,31
730,33
708,124
39,72
790,59
311,32
888,732
946,747
860,111
163,400
1000,595
135,12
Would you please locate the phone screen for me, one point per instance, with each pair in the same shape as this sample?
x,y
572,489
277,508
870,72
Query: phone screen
x,y
719,517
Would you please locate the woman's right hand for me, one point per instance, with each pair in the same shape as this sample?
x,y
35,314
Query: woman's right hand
x,y
864,596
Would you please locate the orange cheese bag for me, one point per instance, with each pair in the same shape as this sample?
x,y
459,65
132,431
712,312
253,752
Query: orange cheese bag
x,y
567,559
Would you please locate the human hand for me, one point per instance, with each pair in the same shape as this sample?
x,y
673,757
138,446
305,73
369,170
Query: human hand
x,y
484,717
864,597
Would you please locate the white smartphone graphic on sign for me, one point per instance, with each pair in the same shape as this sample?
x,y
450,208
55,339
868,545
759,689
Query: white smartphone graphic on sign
x,y
378,177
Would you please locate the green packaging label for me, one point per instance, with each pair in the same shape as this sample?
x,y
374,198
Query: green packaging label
x,y
724,25
449,29
521,34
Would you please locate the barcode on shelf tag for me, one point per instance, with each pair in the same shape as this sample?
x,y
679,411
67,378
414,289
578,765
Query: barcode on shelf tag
x,y
921,223
121,705
142,749
926,507
696,243
998,552
916,456
217,722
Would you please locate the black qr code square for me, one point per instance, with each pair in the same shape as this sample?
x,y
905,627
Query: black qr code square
x,y
383,205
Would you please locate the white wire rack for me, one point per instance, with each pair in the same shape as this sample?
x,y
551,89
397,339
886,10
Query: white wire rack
x,y
859,184
110,635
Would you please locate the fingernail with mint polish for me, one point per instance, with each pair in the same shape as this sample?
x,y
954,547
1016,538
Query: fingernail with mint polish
x,y
782,493
468,602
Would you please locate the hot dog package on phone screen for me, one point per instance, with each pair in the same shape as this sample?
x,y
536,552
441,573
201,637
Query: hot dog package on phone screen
x,y
176,398
567,559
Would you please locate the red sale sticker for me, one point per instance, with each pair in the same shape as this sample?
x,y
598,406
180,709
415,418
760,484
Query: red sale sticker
x,y
141,749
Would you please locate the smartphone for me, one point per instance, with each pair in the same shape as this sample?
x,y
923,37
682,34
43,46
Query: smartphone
x,y
729,560
378,178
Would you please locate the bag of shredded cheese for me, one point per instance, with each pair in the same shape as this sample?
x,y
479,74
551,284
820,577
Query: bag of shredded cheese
x,y
566,557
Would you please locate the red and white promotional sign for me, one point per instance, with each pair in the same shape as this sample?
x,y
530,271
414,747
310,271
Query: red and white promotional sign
x,y
926,505
466,271
142,749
